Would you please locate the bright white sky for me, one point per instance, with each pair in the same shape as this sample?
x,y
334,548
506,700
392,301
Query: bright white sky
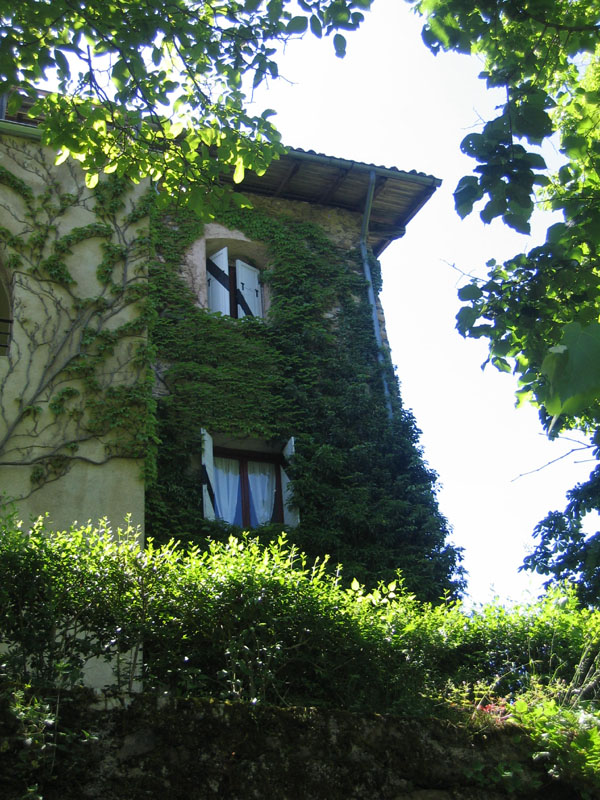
x,y
390,102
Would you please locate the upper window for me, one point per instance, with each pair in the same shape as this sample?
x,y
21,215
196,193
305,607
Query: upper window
x,y
246,487
5,318
233,286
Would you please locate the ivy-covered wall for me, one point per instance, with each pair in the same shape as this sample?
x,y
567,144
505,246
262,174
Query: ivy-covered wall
x,y
308,370
95,420
75,393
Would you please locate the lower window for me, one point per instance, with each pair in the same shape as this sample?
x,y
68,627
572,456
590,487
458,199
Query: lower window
x,y
247,491
247,488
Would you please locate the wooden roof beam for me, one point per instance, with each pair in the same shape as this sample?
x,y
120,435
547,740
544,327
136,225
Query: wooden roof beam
x,y
333,187
291,171
380,183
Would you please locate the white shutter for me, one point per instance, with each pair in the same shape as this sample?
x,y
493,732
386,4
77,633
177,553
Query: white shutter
x,y
249,285
289,449
291,515
208,475
218,294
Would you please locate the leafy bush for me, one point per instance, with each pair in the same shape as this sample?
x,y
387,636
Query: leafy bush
x,y
259,623
237,621
541,642
567,736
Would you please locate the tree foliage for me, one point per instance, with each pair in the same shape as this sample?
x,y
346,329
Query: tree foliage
x,y
159,89
539,310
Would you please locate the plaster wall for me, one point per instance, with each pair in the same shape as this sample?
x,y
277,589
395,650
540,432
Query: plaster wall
x,y
51,320
86,492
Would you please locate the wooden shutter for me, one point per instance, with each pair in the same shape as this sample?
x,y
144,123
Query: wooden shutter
x,y
217,280
291,515
249,295
208,476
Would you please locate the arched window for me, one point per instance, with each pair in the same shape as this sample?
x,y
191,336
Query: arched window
x,y
5,315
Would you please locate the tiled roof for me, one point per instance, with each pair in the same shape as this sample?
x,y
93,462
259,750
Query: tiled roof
x,y
340,183
335,182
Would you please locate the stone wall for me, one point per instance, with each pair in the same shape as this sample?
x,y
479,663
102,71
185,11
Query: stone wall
x,y
200,749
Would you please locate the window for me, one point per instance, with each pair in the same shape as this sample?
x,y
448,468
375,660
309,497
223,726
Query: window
x,y
5,319
246,487
233,286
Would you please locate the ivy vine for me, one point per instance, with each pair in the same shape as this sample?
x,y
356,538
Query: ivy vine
x,y
309,370
75,384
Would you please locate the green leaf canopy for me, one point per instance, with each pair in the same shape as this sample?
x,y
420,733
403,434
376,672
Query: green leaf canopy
x,y
157,89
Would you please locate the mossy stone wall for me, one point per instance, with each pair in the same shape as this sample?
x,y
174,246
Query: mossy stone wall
x,y
200,750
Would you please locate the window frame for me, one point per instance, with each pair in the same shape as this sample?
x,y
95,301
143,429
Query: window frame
x,y
288,512
243,457
228,279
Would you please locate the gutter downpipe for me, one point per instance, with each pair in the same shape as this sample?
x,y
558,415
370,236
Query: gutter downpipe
x,y
370,293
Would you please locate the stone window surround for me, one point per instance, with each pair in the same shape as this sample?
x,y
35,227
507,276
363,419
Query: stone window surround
x,y
216,236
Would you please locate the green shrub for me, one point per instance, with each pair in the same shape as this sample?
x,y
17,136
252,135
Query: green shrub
x,y
258,623
239,620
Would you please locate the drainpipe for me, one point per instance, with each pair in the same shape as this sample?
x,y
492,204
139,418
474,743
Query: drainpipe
x,y
371,294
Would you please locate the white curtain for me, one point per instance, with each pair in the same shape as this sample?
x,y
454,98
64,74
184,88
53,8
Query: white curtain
x,y
226,488
263,483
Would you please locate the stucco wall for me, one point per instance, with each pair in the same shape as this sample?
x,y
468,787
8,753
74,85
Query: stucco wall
x,y
86,492
53,319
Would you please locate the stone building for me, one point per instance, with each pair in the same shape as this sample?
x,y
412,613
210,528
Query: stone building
x,y
70,271
361,208
80,434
